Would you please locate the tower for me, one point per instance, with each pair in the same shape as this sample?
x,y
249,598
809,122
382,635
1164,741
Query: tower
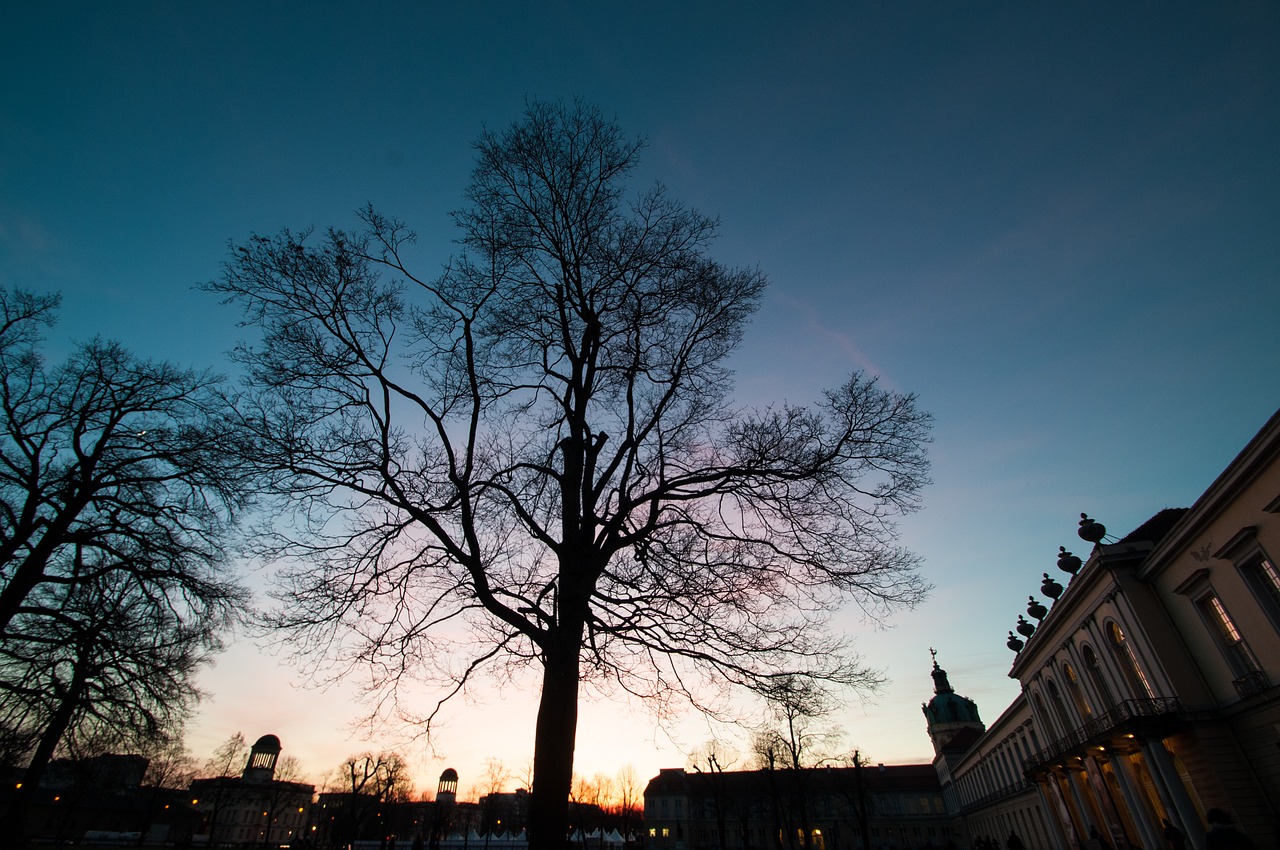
x,y
447,791
261,766
952,720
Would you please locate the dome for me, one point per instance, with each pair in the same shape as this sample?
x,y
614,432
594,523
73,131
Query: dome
x,y
947,706
267,744
950,707
449,775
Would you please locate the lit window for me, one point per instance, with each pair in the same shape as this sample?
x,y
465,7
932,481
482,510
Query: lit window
x,y
1265,579
1237,651
1129,663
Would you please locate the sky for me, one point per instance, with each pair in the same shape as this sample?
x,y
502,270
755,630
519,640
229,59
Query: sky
x,y
1057,224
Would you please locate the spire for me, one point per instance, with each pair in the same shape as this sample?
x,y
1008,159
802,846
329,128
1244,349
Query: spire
x,y
940,683
952,720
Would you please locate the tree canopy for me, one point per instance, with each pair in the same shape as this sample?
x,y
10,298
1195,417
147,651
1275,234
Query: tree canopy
x,y
118,489
534,457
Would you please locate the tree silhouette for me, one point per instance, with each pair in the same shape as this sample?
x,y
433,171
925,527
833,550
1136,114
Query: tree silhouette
x,y
537,449
108,463
116,496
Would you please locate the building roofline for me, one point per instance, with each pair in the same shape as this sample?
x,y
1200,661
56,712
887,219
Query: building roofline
x,y
1242,471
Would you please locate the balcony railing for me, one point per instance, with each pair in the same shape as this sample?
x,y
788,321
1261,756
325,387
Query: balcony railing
x,y
1133,715
1254,682
1000,794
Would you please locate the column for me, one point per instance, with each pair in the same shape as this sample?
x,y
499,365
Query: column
x,y
1173,794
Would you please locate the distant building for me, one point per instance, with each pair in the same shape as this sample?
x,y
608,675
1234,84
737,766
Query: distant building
x,y
1150,682
254,808
980,769
891,807
506,811
103,795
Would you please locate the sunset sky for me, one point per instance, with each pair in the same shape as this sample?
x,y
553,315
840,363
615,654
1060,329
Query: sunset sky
x,y
1057,224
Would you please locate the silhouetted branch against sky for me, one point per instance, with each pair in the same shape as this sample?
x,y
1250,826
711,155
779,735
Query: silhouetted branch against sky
x,y
540,445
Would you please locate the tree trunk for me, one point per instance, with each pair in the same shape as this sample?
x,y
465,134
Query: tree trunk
x,y
554,742
15,820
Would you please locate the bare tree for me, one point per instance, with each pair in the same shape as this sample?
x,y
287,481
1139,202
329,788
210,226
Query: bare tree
x,y
366,781
117,493
711,760
103,660
170,768
630,801
108,463
492,782
540,444
790,746
228,759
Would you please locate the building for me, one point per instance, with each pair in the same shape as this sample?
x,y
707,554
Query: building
x,y
254,808
1149,682
980,768
104,798
882,807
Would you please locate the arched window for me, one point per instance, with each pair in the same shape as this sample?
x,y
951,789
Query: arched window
x,y
1043,714
1138,683
1077,695
1097,677
1059,707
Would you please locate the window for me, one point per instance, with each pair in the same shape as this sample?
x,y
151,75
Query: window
x,y
1077,695
1129,662
1256,566
1228,636
1059,707
1265,581
1043,714
1096,675
1243,549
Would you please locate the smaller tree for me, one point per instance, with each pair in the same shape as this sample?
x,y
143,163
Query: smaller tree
x,y
791,745
711,761
227,760
170,768
492,782
364,783
630,799
856,795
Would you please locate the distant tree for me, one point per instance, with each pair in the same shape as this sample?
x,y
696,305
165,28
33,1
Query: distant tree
x,y
170,764
117,492
589,799
854,790
367,782
170,768
630,801
276,797
289,769
541,444
711,760
228,760
790,746
492,782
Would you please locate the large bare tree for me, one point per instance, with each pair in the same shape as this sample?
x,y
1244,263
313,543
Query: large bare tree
x,y
534,458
